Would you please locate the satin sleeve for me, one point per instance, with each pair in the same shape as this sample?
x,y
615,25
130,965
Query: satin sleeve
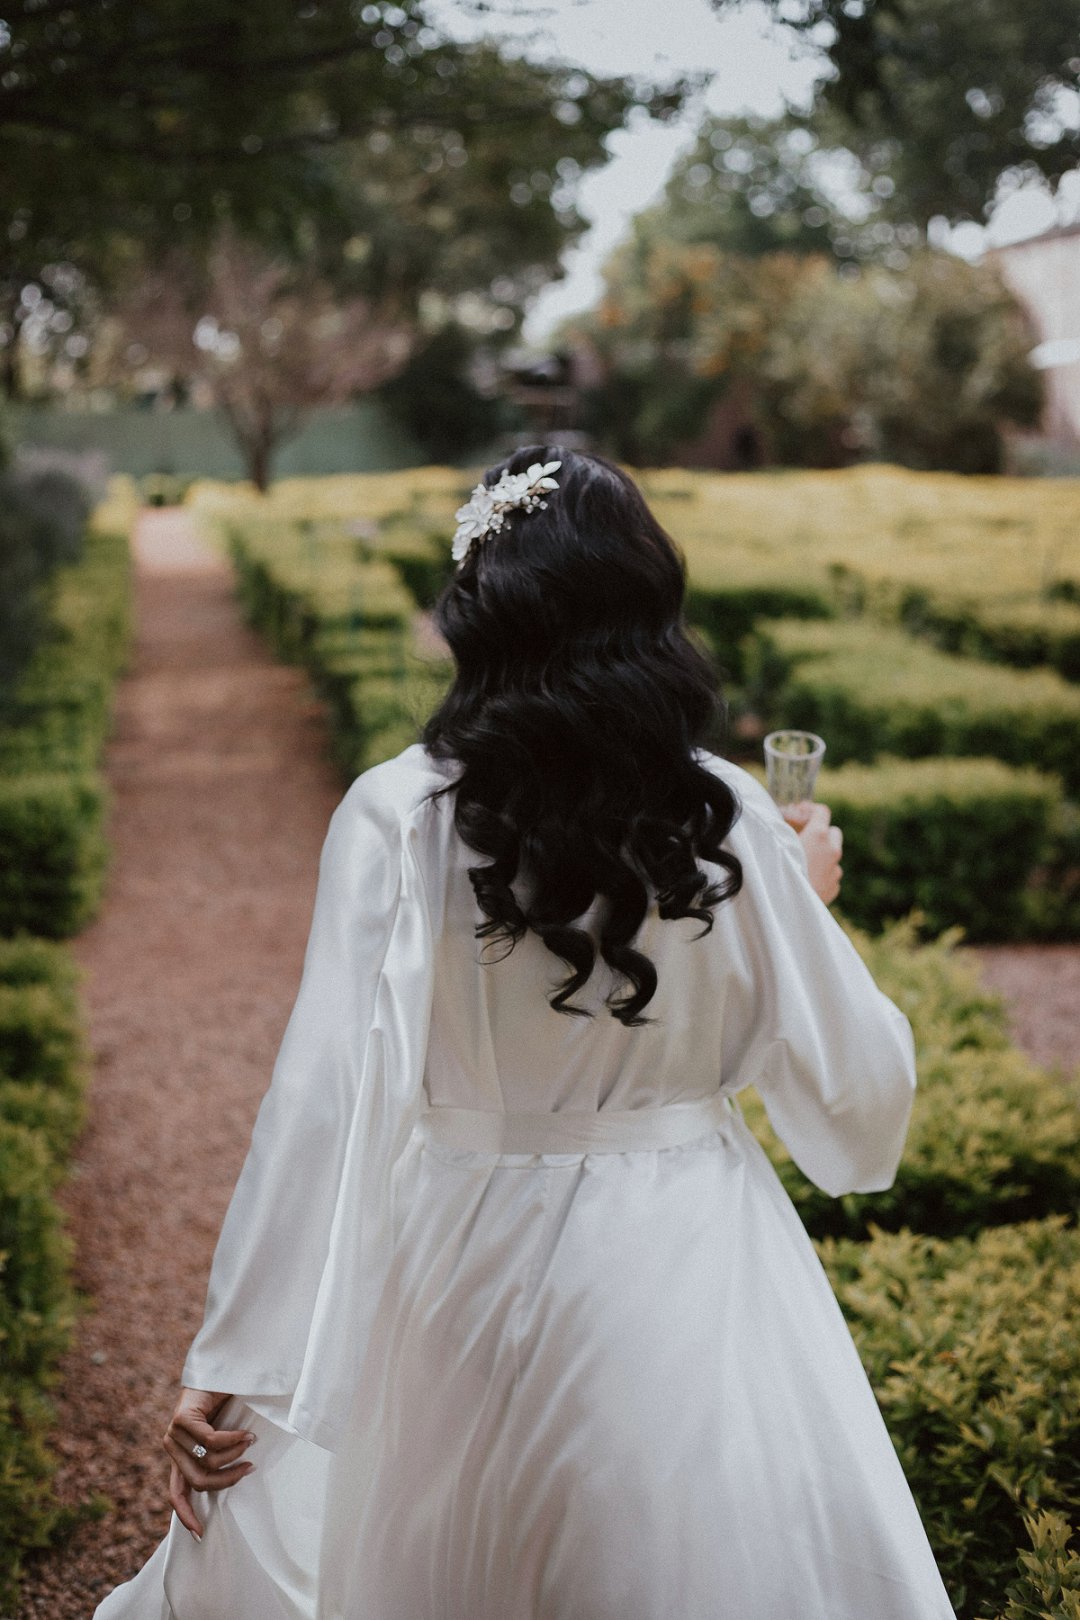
x,y
305,1245
832,1057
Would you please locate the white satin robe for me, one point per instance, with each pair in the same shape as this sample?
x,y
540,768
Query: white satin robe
x,y
585,1366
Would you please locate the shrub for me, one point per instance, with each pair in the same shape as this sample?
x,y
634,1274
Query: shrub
x,y
870,689
1049,1584
322,599
972,1350
36,1308
52,860
962,840
42,517
52,852
993,1138
59,715
1023,633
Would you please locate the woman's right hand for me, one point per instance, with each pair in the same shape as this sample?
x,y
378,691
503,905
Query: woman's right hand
x,y
822,844
220,1464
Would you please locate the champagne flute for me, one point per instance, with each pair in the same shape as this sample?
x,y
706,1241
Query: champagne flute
x,y
792,762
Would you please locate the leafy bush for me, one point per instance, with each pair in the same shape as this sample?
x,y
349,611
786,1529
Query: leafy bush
x,y
870,690
60,712
36,1312
728,609
52,859
322,599
972,1350
52,852
1022,633
42,518
1049,1584
993,1138
965,841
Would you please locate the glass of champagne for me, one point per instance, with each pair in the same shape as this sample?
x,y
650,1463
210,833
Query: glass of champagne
x,y
792,761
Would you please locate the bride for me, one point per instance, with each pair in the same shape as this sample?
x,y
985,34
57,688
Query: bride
x,y
510,1317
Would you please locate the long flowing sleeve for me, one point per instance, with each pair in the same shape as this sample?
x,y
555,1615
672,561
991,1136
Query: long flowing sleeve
x,y
832,1058
305,1246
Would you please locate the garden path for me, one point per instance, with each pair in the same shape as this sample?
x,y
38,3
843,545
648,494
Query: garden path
x,y
1041,987
221,797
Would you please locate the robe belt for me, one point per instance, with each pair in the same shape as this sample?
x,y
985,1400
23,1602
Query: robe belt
x,y
604,1130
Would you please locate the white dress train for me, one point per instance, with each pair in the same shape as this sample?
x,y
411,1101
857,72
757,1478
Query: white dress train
x,y
525,1323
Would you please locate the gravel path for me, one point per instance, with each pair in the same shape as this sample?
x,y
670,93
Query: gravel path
x,y
1041,987
221,797
221,800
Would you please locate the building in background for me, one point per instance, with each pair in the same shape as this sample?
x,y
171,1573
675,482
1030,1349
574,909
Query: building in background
x,y
1044,274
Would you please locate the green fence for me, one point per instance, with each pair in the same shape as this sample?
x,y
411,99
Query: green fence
x,y
198,444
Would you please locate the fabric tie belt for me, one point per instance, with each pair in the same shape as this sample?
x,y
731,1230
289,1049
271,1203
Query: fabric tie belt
x,y
605,1130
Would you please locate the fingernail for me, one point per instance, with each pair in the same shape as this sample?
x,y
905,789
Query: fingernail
x,y
251,1439
194,1537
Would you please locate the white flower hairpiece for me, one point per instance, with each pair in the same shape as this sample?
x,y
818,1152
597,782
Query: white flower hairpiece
x,y
487,506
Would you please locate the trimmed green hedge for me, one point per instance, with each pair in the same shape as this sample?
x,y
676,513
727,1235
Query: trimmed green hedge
x,y
969,842
727,606
52,798
993,1138
42,1075
972,1349
870,689
322,600
1024,633
52,852
52,865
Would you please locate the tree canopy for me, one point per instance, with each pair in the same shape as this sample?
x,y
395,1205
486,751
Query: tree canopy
x,y
944,97
116,116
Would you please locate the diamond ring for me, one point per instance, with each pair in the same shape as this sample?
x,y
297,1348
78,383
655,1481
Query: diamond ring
x,y
199,1452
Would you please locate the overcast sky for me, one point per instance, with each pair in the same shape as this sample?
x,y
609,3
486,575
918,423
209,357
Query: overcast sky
x,y
753,65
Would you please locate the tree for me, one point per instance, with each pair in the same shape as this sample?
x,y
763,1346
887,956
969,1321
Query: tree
x,y
267,338
765,185
437,400
123,120
922,366
678,326
945,97
352,136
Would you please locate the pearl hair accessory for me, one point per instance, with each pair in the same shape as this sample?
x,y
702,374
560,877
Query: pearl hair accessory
x,y
487,506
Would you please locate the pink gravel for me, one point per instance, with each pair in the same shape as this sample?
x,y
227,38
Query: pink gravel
x,y
1041,987
221,798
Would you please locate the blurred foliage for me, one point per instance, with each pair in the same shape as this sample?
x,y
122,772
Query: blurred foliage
x,y
754,185
356,140
876,539
42,516
42,1076
921,366
437,402
52,859
871,689
972,1351
943,98
970,842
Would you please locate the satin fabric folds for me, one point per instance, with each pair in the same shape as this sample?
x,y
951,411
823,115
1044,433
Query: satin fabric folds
x,y
525,1323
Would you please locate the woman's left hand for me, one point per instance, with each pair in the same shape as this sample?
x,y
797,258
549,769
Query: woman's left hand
x,y
220,1464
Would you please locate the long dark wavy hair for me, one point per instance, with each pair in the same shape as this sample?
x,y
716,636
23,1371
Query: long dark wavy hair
x,y
573,719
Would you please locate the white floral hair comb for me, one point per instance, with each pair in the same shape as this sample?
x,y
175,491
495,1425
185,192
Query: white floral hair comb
x,y
487,506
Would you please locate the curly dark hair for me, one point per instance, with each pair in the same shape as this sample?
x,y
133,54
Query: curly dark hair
x,y
578,705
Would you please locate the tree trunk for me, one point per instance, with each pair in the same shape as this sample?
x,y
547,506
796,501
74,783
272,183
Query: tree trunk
x,y
9,361
259,454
